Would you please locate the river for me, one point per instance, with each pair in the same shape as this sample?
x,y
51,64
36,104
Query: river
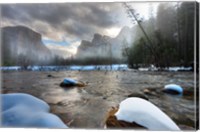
x,y
86,107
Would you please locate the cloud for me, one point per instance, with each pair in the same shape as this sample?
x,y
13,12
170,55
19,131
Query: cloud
x,y
112,32
68,20
65,22
61,48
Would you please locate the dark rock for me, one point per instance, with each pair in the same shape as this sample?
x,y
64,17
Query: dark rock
x,y
170,91
152,92
104,97
146,91
62,84
185,127
138,95
67,82
62,103
49,75
112,122
189,92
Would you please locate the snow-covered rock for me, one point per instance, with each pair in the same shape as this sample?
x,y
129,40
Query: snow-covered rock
x,y
173,88
69,81
24,110
145,114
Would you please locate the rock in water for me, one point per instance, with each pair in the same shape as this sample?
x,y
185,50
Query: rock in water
x,y
67,82
112,122
138,95
24,110
146,91
173,89
49,75
143,114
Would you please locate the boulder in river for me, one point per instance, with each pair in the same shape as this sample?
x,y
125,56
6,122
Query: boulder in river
x,y
25,110
138,95
112,122
139,113
146,91
67,82
49,75
173,89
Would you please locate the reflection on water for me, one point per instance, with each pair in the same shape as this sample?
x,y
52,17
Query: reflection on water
x,y
86,107
56,95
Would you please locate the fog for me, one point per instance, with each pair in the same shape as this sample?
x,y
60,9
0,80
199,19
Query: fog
x,y
141,33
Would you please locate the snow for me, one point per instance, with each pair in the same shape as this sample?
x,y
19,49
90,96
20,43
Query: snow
x,y
144,113
174,87
33,68
113,67
143,69
87,68
72,67
24,110
171,69
13,68
100,67
150,68
69,81
175,69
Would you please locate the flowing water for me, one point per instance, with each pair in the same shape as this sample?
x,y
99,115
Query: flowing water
x,y
87,107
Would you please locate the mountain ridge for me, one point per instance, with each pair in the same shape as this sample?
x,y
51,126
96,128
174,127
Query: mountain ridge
x,y
102,45
20,44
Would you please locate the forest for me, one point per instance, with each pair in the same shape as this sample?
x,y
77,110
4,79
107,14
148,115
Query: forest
x,y
61,70
165,40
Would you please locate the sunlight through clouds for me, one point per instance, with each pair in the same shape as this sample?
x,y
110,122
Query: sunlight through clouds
x,y
61,49
112,32
64,23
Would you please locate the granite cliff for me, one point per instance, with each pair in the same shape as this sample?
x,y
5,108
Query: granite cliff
x,y
105,46
23,45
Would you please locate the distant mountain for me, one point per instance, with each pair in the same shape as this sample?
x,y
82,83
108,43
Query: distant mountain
x,y
23,45
126,33
60,53
97,47
105,46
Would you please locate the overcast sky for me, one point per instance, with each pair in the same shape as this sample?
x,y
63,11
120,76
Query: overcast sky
x,y
64,25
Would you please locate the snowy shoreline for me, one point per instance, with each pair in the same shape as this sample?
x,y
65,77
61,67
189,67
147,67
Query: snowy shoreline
x,y
114,67
72,67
